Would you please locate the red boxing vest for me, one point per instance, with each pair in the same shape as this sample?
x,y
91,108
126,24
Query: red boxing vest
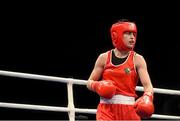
x,y
123,76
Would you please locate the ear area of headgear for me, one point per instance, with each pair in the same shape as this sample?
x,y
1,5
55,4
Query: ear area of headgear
x,y
114,37
116,34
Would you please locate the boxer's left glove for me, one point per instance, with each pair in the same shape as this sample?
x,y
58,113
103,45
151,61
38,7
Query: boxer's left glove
x,y
144,106
103,88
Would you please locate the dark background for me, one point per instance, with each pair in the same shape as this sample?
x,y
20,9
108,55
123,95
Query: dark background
x,y
65,39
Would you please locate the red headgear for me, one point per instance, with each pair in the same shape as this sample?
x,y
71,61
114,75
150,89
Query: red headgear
x,y
117,31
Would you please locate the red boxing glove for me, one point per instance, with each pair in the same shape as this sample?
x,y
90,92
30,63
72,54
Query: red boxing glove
x,y
144,105
104,88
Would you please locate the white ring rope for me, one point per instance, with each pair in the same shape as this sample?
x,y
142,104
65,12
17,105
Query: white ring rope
x,y
42,77
71,108
74,81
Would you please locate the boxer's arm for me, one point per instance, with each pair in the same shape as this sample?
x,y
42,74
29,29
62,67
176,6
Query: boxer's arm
x,y
144,105
142,71
97,70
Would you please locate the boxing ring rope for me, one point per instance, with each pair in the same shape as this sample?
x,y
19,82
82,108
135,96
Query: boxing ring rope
x,y
70,107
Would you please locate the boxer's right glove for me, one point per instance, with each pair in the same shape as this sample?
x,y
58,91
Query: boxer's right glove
x,y
144,105
104,88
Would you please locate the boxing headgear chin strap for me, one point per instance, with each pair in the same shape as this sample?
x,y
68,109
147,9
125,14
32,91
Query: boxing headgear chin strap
x,y
117,31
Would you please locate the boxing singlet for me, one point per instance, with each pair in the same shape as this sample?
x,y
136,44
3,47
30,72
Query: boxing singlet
x,y
123,76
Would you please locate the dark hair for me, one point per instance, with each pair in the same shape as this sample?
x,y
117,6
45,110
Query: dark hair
x,y
123,20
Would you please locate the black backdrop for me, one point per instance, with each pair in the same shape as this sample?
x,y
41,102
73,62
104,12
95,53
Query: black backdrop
x,y
65,39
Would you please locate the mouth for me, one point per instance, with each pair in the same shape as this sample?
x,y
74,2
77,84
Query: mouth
x,y
131,42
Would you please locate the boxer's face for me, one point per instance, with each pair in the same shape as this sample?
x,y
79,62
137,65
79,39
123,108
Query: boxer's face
x,y
129,39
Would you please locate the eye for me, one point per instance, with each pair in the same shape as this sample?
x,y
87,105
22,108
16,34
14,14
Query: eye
x,y
127,32
134,33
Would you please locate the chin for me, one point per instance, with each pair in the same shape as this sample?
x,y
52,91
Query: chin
x,y
130,47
